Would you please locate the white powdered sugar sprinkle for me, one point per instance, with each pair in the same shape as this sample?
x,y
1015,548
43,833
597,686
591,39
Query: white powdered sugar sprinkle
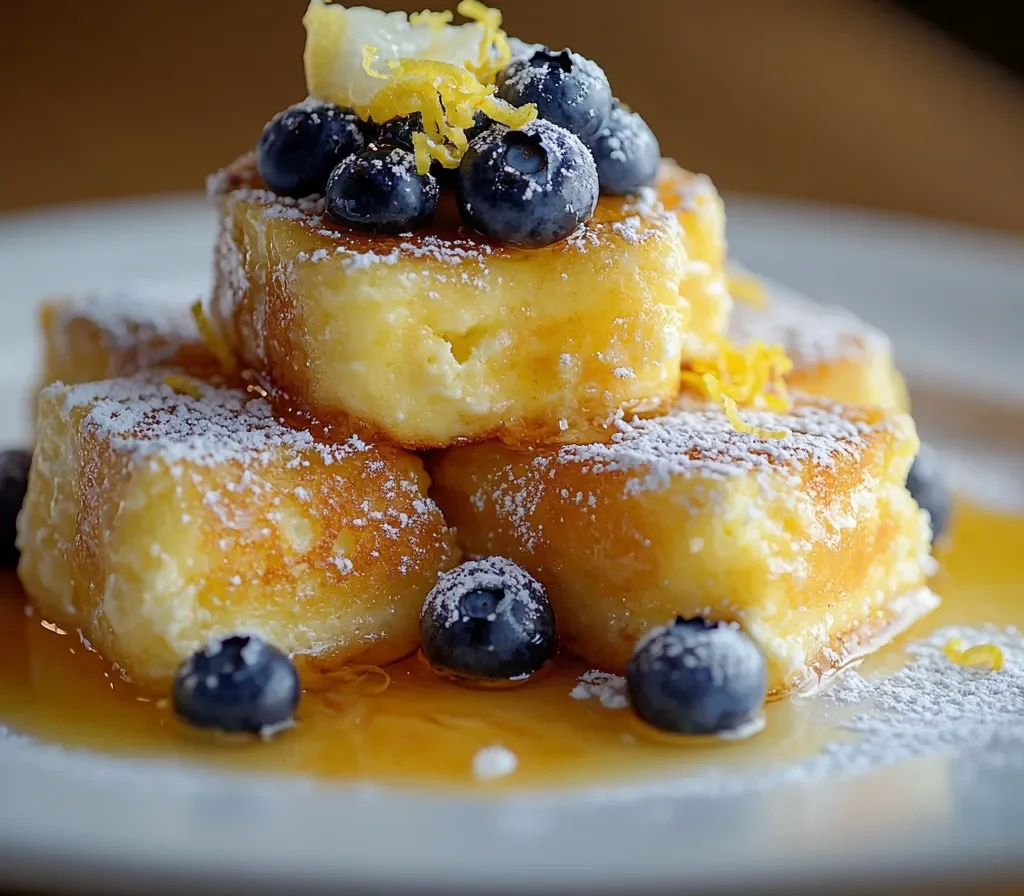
x,y
721,651
810,333
608,689
147,418
489,574
494,762
147,318
934,706
697,439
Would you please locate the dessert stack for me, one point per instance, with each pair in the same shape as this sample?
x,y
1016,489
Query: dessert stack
x,y
474,378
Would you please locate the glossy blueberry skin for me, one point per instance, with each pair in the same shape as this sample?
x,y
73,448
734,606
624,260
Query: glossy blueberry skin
x,y
626,153
399,131
379,190
480,124
528,188
568,90
239,684
303,144
14,468
697,677
929,487
488,621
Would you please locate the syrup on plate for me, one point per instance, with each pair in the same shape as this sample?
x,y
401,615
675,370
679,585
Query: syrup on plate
x,y
407,726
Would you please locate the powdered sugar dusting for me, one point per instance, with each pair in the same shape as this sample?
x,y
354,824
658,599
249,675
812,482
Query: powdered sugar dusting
x,y
147,418
723,651
934,706
609,689
489,574
142,317
698,440
494,762
811,334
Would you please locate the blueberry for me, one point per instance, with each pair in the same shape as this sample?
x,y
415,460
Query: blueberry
x,y
380,190
480,124
301,146
238,684
928,486
529,188
488,621
626,153
398,131
14,467
697,677
567,89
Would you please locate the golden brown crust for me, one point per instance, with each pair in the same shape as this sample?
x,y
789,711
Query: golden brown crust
x,y
154,521
90,337
539,346
800,540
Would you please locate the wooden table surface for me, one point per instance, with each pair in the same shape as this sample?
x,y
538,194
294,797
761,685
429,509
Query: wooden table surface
x,y
838,100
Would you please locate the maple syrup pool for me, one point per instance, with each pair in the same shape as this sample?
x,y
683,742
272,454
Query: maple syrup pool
x,y
422,730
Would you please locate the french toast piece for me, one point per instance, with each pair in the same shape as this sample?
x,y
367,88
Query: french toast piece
x,y
104,335
811,542
442,337
701,212
155,520
835,354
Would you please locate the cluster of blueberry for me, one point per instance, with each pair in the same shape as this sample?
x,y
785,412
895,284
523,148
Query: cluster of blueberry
x,y
490,623
528,188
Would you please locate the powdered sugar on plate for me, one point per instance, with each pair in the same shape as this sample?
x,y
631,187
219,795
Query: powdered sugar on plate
x,y
931,707
494,762
605,687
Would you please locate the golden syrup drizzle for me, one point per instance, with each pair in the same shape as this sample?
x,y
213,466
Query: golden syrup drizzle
x,y
423,730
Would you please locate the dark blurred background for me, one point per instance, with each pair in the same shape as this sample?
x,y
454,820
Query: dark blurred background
x,y
909,106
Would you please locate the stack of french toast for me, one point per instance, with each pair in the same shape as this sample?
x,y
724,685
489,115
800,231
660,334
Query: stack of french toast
x,y
408,366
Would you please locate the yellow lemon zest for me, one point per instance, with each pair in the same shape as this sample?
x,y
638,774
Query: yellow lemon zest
x,y
495,52
447,97
748,289
749,377
183,385
214,341
981,656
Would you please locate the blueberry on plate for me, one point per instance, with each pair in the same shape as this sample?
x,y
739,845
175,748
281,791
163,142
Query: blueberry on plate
x,y
528,188
237,684
929,487
14,467
488,621
697,677
567,89
301,146
626,153
380,190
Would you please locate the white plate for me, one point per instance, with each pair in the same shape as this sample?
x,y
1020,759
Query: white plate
x,y
952,300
